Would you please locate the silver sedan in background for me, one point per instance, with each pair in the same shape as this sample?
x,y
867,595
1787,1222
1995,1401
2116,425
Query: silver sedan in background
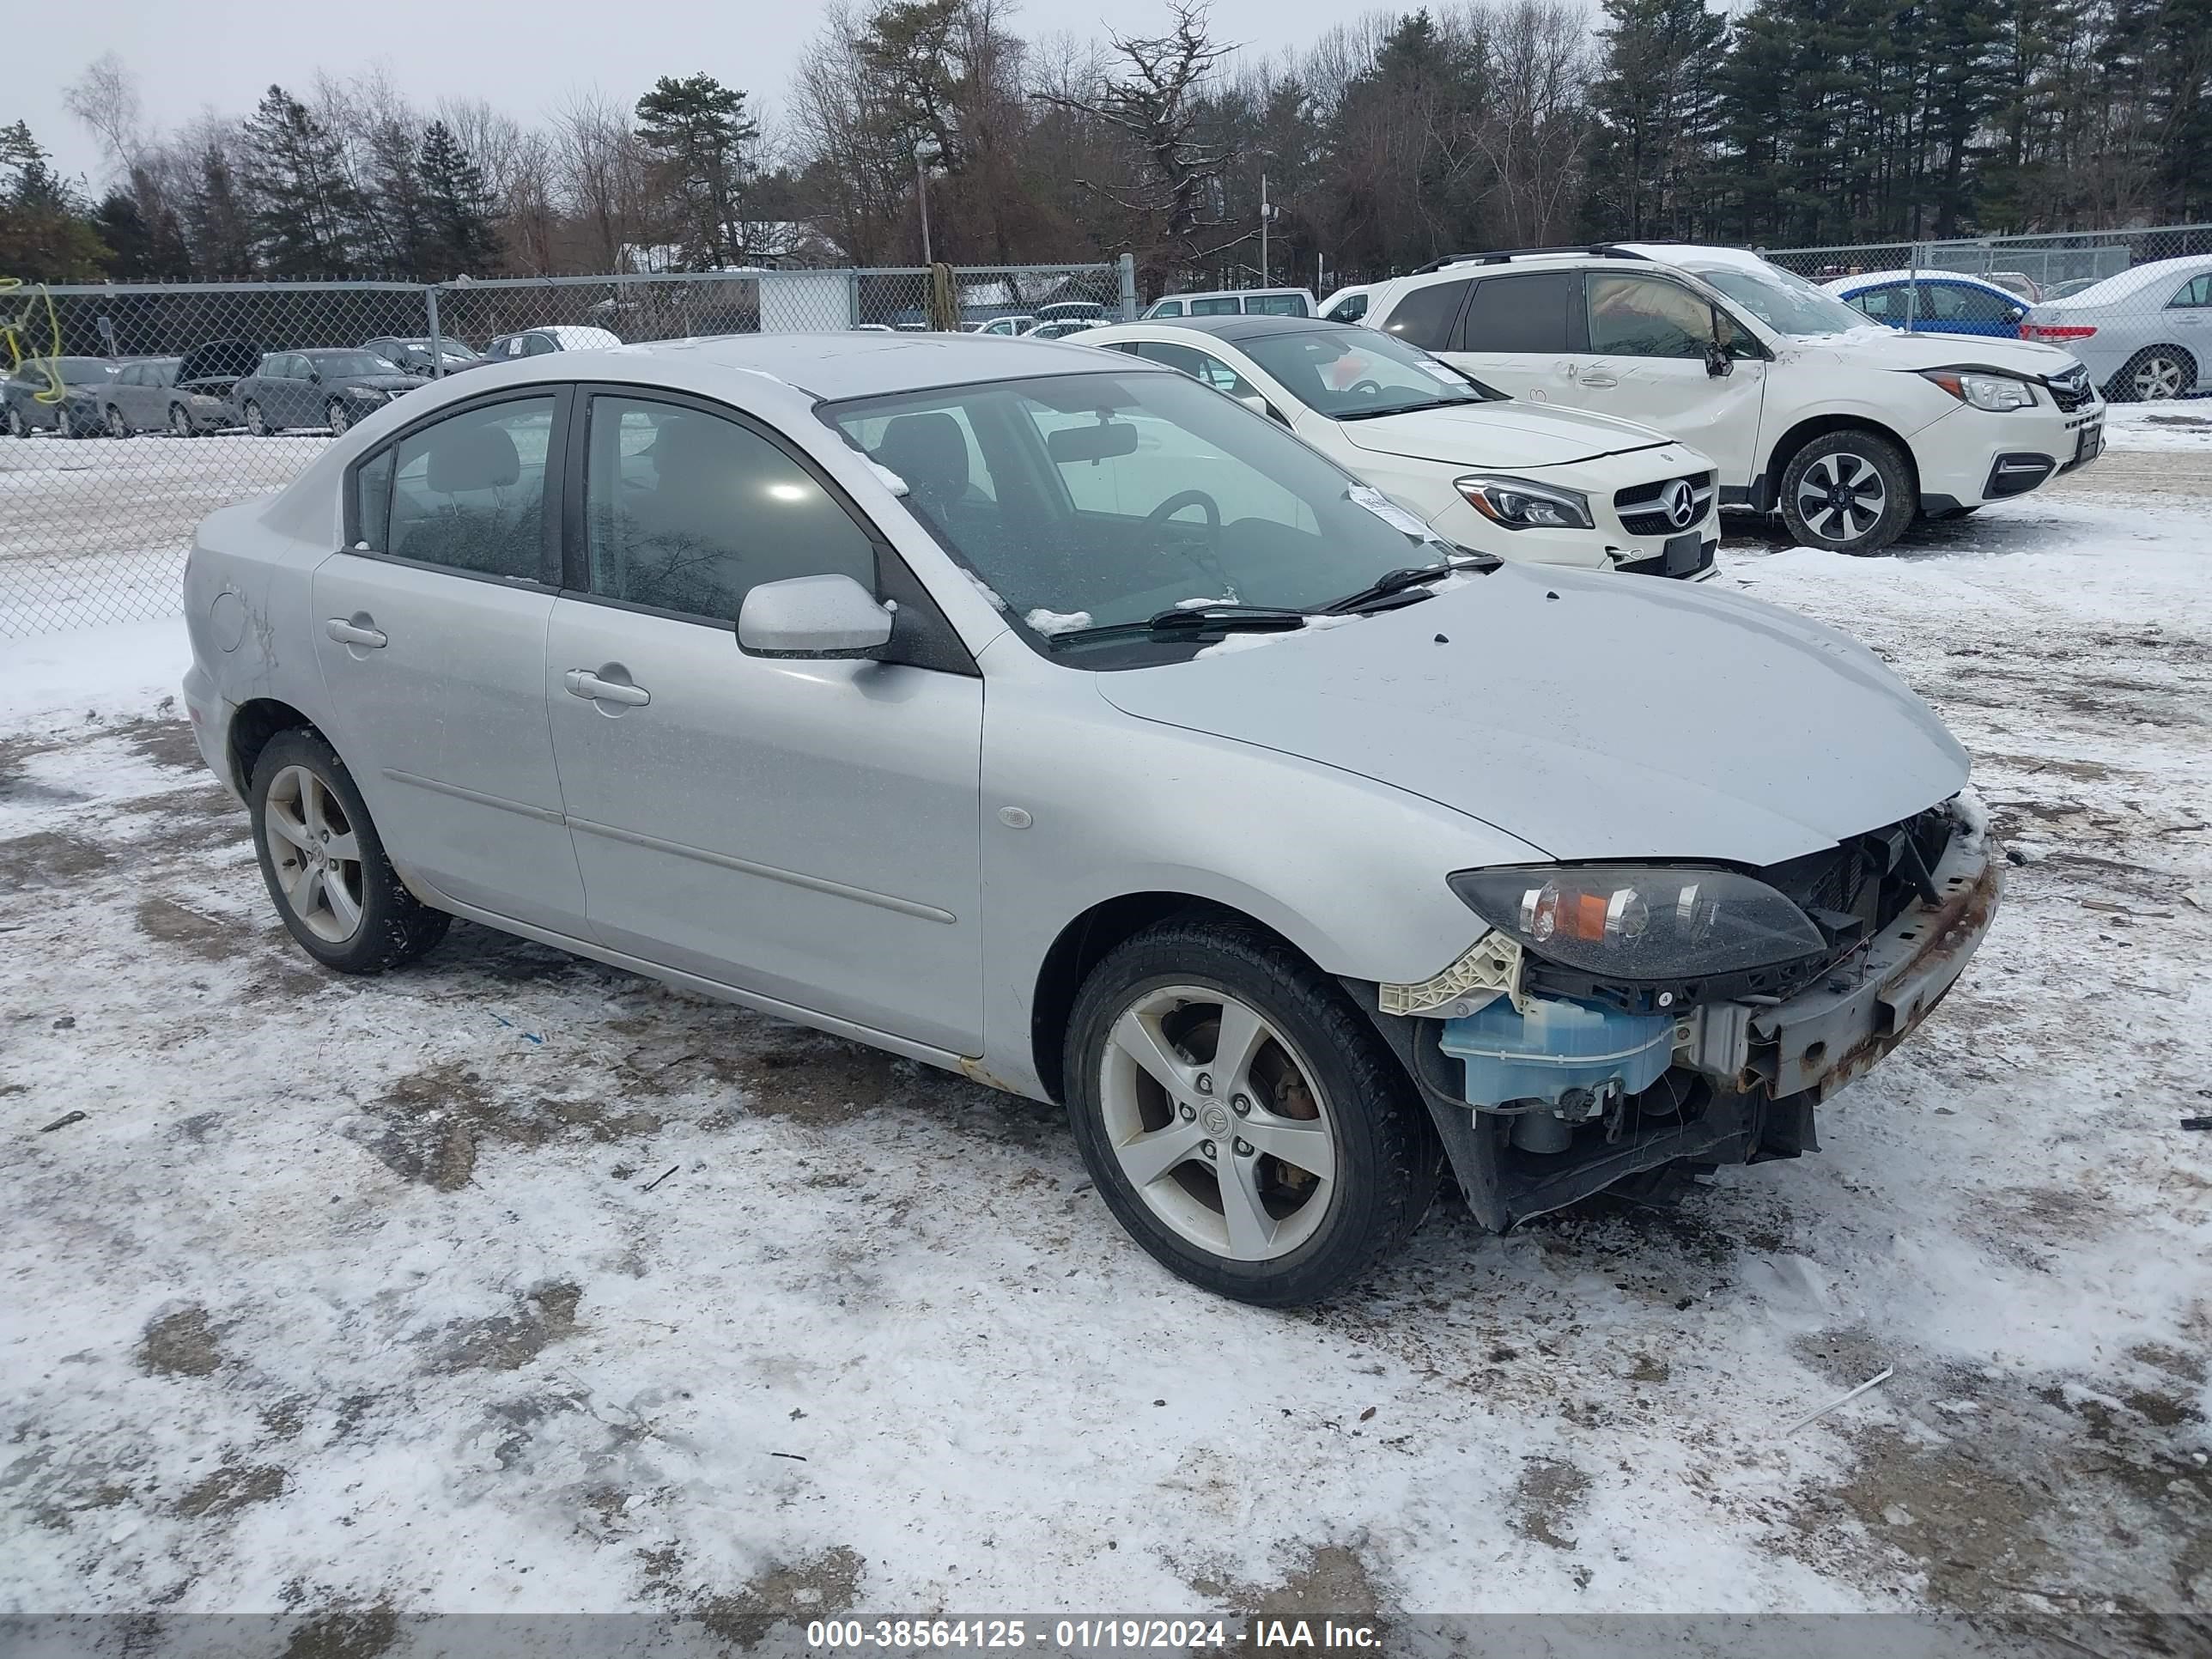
x,y
2144,335
1043,714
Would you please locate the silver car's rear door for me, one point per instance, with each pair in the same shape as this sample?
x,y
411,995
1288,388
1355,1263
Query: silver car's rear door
x,y
430,628
806,830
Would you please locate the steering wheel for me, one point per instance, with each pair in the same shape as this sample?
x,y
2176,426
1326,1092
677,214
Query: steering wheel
x,y
1159,517
1364,388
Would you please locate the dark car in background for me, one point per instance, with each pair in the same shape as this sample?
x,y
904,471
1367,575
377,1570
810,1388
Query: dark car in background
x,y
413,354
328,387
136,398
200,396
58,394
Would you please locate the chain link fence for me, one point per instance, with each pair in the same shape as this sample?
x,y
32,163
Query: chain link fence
x,y
2135,306
134,411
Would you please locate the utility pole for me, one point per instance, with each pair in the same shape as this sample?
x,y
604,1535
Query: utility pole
x,y
1266,214
925,151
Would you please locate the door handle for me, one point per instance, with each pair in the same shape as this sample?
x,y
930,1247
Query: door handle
x,y
346,633
582,683
1598,377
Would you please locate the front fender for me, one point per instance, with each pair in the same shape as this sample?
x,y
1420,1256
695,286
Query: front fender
x,y
1348,870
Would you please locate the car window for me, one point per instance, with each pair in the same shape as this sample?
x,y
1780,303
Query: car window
x,y
686,511
1352,373
1349,309
1644,317
1425,317
1885,304
1540,310
1960,302
2196,292
1223,305
468,492
537,345
1277,305
127,375
1123,494
1168,308
1200,366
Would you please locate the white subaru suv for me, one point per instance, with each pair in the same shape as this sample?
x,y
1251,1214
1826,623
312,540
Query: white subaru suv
x,y
1848,429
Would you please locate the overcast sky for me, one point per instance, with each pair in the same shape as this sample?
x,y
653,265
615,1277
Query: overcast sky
x,y
523,55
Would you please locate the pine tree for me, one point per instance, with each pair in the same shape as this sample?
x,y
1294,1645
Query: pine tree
x,y
45,235
459,234
1658,100
304,210
698,129
218,224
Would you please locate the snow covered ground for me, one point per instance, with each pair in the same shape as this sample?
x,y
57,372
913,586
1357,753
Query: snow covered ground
x,y
512,1283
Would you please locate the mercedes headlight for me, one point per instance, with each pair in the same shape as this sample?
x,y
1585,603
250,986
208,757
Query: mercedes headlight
x,y
1518,504
367,394
1995,392
1630,921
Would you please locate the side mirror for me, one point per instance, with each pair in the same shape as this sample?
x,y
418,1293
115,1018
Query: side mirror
x,y
812,616
1259,406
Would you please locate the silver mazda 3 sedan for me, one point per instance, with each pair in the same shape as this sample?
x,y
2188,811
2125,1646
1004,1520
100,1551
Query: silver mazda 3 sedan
x,y
1049,717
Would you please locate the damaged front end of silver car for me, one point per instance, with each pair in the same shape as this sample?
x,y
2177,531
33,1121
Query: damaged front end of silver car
x,y
1625,1026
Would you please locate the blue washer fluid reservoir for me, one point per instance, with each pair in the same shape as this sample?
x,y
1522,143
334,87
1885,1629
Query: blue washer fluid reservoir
x,y
1558,1045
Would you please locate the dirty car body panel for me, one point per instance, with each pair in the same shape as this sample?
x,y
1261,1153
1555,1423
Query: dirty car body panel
x,y
971,794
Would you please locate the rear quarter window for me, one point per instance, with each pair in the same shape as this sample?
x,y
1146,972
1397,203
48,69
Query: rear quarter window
x,y
1425,317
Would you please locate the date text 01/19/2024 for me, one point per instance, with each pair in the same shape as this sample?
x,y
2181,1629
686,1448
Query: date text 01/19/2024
x,y
1085,1636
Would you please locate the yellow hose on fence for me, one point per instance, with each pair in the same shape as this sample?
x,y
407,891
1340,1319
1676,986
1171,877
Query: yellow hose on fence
x,y
15,325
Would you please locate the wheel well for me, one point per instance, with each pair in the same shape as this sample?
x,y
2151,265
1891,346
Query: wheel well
x,y
1820,426
1080,947
251,727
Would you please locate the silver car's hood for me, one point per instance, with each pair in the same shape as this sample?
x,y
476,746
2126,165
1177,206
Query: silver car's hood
x,y
1593,716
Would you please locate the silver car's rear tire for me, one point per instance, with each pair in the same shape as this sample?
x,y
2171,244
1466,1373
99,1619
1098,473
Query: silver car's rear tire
x,y
256,423
1241,1118
181,422
2152,375
17,426
116,429
340,417
333,887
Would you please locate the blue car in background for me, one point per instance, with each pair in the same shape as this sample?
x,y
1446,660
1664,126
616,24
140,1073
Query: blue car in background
x,y
1948,302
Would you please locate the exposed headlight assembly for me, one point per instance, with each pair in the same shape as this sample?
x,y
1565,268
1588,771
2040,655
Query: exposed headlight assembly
x,y
1995,392
367,394
1632,922
1518,504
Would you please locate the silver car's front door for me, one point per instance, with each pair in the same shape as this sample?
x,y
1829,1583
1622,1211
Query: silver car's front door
x,y
431,633
805,830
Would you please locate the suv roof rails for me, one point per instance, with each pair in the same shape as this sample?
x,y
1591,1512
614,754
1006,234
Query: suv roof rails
x,y
1502,256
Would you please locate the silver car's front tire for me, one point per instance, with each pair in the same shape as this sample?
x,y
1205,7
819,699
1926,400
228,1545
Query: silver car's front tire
x,y
324,862
1242,1119
256,423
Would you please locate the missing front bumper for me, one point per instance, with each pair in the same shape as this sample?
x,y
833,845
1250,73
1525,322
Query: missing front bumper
x,y
1755,1097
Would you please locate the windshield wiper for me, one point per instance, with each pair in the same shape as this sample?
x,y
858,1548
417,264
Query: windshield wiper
x,y
1194,619
1392,583
1403,408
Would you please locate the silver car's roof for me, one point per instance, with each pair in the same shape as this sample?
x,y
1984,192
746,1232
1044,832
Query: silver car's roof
x,y
857,365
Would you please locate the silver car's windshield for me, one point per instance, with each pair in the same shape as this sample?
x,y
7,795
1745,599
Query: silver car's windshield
x,y
1083,500
1349,374
1784,301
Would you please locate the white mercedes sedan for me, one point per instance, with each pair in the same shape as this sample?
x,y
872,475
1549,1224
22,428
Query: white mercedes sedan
x,y
1038,712
1519,480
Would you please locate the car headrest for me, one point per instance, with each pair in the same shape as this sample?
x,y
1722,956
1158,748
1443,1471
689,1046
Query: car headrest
x,y
930,451
478,458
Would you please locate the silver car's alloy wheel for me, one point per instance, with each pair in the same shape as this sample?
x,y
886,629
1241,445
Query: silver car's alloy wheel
x,y
115,427
2158,375
339,419
1218,1123
316,855
1841,496
17,426
254,422
180,424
